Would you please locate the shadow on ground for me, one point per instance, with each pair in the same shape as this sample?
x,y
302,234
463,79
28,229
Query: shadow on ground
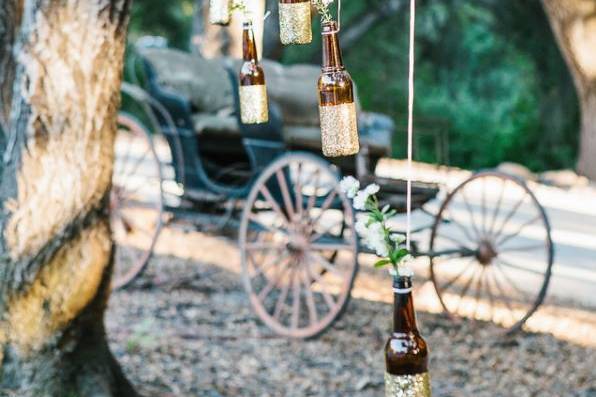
x,y
185,328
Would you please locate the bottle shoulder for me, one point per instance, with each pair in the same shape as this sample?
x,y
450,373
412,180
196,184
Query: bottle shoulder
x,y
406,353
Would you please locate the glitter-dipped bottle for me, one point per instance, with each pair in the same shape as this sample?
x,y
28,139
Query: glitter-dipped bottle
x,y
337,109
295,22
254,108
220,12
406,352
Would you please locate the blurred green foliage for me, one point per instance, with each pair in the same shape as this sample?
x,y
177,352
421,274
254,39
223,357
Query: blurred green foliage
x,y
491,71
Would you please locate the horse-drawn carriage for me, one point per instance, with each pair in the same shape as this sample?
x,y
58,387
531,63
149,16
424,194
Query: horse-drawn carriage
x,y
186,156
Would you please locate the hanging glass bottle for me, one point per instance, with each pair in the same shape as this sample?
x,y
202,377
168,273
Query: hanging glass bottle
x,y
337,109
220,12
406,352
295,22
254,107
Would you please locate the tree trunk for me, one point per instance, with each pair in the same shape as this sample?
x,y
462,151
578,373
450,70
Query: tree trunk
x,y
59,119
574,25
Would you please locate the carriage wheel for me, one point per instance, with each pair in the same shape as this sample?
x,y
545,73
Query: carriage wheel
x,y
298,246
135,201
497,250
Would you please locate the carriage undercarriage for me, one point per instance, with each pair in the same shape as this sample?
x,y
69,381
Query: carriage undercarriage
x,y
295,228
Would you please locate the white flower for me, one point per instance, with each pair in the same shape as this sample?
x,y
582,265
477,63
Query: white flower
x,y
375,239
360,200
371,189
404,270
327,2
361,227
363,195
349,185
397,238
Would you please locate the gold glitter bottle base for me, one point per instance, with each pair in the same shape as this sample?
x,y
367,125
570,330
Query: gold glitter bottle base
x,y
254,108
339,130
219,12
295,26
407,385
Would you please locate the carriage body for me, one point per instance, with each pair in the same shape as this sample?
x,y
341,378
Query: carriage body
x,y
267,182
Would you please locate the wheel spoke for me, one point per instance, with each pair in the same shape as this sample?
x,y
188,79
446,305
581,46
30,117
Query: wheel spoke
x,y
465,290
529,247
470,212
273,283
317,277
265,192
504,296
313,197
324,207
510,281
453,240
508,217
281,301
454,279
508,237
479,291
483,225
264,246
281,179
298,190
273,230
497,207
452,220
326,264
518,267
295,301
330,246
310,300
318,235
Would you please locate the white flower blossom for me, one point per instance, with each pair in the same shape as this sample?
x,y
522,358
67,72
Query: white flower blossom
x,y
397,238
361,227
375,239
371,189
327,3
360,200
349,185
362,196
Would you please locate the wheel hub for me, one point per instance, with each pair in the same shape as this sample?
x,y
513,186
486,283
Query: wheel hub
x,y
486,253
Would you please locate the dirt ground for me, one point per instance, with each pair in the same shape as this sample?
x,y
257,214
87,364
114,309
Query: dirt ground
x,y
185,328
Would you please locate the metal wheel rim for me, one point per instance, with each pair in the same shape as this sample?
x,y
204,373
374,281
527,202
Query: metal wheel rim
x,y
342,299
122,280
549,248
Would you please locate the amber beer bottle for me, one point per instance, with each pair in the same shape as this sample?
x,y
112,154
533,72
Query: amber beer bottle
x,y
337,109
295,22
406,352
254,108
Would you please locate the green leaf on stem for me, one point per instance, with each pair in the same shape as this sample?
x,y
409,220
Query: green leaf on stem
x,y
381,263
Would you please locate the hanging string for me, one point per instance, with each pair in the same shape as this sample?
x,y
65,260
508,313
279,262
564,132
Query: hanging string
x,y
410,124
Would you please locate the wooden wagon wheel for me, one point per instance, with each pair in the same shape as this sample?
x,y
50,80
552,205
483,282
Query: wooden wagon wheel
x,y
501,250
298,246
136,200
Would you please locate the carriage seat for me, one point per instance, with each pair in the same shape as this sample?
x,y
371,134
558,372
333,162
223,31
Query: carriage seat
x,y
206,85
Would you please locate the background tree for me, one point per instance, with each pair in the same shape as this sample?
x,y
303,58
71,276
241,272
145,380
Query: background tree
x,y
60,73
574,25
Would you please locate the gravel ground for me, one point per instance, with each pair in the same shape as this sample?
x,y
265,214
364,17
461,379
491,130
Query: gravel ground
x,y
186,329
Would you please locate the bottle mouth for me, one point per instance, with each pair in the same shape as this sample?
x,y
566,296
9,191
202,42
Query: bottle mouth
x,y
329,27
402,282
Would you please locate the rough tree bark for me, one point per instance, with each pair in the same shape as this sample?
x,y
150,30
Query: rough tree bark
x,y
574,25
60,73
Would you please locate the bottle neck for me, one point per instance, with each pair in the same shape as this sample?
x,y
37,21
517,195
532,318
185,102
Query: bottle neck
x,y
332,59
249,47
404,316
